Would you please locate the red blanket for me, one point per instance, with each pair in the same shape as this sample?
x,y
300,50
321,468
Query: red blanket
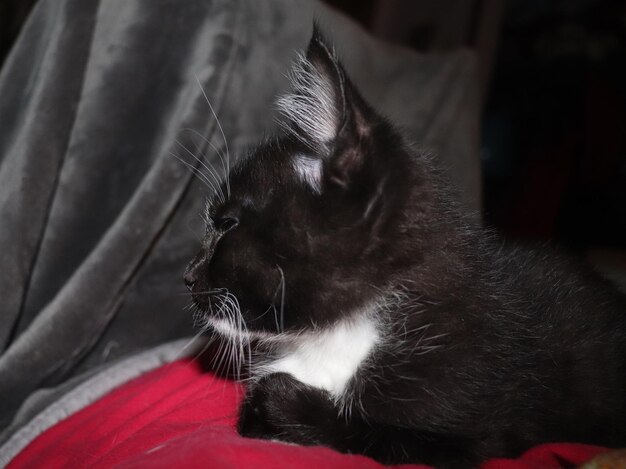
x,y
178,416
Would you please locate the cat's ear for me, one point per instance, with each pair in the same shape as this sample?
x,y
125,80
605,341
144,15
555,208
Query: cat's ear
x,y
326,112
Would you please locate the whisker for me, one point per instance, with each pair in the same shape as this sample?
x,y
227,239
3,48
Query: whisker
x,y
194,171
188,344
206,292
276,318
203,177
267,310
210,143
234,350
221,354
223,135
212,172
282,299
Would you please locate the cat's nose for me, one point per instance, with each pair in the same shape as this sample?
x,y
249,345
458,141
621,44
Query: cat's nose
x,y
194,269
190,278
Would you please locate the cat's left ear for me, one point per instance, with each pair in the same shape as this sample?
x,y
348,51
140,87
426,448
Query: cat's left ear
x,y
326,112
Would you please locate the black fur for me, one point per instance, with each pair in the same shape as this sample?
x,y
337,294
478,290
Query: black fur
x,y
487,348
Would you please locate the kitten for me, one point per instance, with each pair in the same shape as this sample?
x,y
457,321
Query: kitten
x,y
378,318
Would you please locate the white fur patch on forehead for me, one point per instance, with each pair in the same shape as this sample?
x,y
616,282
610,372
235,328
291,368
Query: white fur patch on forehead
x,y
309,170
312,104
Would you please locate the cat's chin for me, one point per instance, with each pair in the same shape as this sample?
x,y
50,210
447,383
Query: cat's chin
x,y
202,305
229,330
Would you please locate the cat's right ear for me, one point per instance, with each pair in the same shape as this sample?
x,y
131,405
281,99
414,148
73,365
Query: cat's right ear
x,y
326,113
314,109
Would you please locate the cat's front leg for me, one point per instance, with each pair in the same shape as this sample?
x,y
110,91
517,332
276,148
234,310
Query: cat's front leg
x,y
279,407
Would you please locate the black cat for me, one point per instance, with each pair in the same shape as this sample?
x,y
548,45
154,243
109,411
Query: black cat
x,y
378,319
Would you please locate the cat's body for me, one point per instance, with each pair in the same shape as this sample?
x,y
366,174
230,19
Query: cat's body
x,y
381,319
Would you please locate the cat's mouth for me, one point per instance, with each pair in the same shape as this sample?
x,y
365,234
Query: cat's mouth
x,y
221,309
216,302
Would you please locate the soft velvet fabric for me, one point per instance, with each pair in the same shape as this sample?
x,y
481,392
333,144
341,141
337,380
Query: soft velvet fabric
x,y
98,219
182,416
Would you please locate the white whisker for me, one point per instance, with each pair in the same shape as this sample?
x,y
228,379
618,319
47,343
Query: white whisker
x,y
223,135
199,174
282,299
211,171
210,144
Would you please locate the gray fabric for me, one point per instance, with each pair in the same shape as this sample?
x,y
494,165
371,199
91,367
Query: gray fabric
x,y
88,391
97,219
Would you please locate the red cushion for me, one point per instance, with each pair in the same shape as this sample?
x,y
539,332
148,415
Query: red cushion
x,y
180,416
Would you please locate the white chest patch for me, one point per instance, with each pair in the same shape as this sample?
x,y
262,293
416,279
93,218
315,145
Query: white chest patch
x,y
327,359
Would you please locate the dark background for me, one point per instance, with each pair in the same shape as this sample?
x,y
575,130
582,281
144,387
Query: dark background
x,y
553,83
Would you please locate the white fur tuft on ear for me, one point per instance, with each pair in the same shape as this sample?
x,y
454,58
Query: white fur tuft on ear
x,y
312,106
309,170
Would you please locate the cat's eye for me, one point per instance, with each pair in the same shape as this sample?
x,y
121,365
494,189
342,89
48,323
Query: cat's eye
x,y
225,224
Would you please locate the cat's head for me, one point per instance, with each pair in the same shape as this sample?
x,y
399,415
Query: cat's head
x,y
320,219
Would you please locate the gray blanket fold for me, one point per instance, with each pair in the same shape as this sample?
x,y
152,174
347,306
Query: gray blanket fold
x,y
99,101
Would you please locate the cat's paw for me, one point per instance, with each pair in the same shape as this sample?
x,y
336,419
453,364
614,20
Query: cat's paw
x,y
279,407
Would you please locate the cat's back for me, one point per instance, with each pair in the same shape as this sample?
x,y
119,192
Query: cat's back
x,y
578,323
556,288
